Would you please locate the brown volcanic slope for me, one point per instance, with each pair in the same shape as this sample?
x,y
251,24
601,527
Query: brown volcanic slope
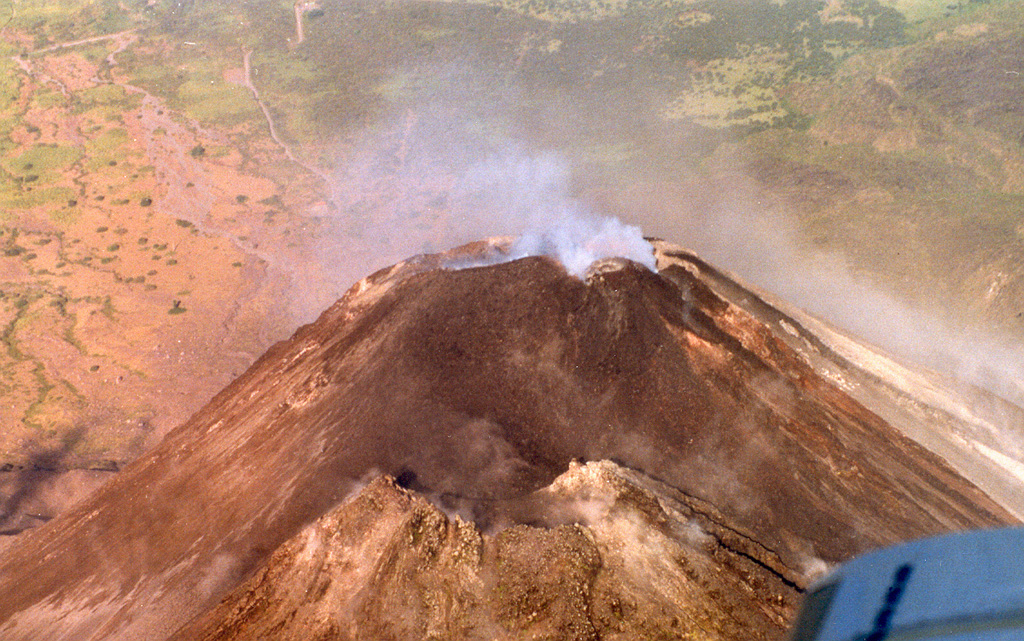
x,y
610,554
478,387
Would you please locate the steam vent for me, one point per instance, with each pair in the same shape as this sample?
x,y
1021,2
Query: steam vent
x,y
510,452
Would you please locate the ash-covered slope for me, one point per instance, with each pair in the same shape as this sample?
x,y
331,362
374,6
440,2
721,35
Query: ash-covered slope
x,y
612,554
477,387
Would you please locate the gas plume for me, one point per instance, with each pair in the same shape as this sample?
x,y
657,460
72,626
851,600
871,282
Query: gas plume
x,y
407,193
529,196
577,242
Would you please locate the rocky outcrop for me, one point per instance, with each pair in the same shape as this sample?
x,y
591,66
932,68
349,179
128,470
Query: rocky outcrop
x,y
627,563
477,387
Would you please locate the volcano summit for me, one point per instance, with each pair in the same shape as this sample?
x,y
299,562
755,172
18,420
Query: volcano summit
x,y
505,451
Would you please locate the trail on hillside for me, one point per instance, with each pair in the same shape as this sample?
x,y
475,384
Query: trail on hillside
x,y
247,64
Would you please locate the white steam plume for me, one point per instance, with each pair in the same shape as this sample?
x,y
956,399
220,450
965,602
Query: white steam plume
x,y
577,242
529,196
418,192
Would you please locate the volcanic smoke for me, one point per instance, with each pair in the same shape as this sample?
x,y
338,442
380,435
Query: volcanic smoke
x,y
529,196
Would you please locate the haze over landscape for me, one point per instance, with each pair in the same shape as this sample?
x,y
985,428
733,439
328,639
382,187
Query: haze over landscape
x,y
187,182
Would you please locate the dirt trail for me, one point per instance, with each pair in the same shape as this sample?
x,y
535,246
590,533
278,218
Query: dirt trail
x,y
41,76
300,34
122,38
189,191
247,64
84,41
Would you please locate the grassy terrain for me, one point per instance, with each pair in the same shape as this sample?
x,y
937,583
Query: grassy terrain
x,y
43,24
929,129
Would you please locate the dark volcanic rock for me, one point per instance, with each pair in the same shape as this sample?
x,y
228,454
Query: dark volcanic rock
x,y
477,387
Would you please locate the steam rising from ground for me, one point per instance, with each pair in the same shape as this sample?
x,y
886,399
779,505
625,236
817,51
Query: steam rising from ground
x,y
577,242
529,196
437,196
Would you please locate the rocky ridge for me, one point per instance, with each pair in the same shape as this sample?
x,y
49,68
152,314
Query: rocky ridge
x,y
613,559
973,429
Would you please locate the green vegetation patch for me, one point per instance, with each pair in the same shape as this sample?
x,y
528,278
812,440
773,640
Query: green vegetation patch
x,y
747,51
12,201
44,161
7,126
48,98
218,22
66,21
154,74
106,95
191,79
94,52
10,82
103,148
215,101
734,92
926,10
801,29
315,94
568,11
